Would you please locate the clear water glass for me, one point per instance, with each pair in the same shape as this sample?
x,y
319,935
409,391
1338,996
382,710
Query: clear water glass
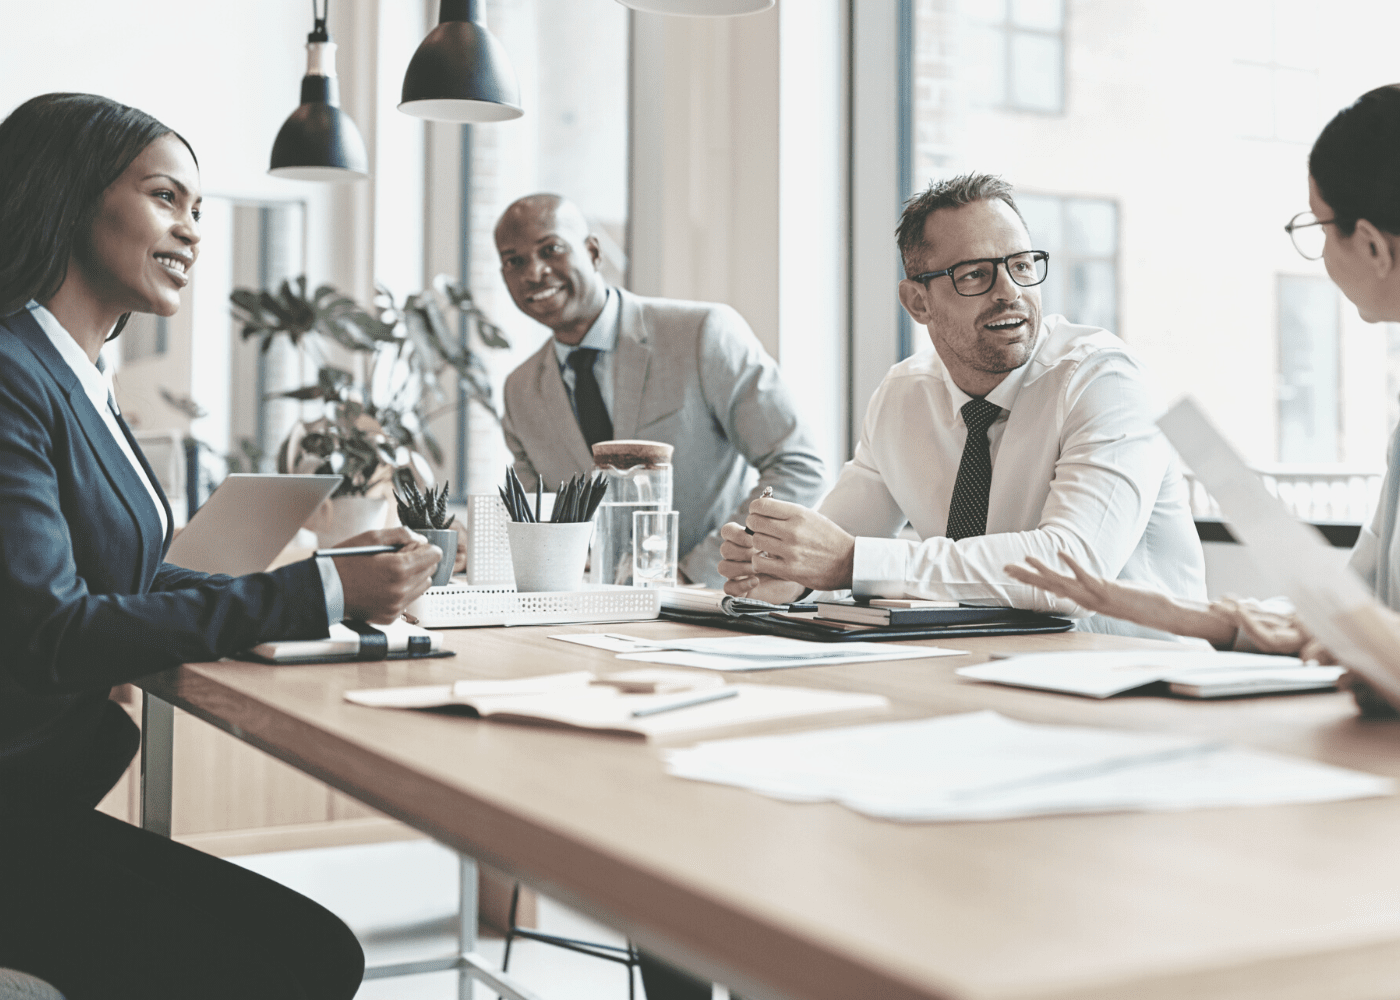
x,y
655,542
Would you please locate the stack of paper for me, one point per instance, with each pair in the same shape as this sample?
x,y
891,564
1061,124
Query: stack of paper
x,y
982,766
1195,674
579,700
739,653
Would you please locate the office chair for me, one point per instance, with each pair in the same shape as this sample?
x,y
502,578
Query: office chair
x,y
15,985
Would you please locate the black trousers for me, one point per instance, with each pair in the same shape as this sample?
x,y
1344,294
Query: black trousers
x,y
106,911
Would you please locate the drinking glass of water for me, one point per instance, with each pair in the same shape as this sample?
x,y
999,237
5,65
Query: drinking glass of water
x,y
655,540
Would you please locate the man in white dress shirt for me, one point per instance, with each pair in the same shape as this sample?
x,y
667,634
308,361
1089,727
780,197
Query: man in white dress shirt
x,y
1070,459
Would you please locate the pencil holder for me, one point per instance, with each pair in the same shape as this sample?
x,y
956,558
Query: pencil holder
x,y
548,556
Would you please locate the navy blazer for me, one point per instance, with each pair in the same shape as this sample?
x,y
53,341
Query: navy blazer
x,y
86,600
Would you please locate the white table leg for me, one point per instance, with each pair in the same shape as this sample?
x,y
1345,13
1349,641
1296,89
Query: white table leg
x,y
157,756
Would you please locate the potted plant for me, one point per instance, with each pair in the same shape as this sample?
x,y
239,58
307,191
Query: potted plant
x,y
374,426
426,513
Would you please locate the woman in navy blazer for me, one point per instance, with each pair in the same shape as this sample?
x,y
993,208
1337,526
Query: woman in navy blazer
x,y
99,209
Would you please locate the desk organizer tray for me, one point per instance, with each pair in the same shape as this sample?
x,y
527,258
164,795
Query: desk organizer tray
x,y
459,605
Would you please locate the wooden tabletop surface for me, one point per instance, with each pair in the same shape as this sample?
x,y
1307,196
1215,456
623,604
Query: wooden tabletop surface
x,y
815,902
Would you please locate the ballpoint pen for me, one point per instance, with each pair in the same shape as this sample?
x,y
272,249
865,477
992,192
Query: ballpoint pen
x,y
703,699
767,492
358,550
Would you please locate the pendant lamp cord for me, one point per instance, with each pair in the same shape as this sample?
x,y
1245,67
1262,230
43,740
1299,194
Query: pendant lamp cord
x,y
318,16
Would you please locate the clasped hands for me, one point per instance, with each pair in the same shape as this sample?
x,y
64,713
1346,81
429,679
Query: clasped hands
x,y
378,588
792,549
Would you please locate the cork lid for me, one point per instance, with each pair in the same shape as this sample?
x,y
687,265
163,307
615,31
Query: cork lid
x,y
629,454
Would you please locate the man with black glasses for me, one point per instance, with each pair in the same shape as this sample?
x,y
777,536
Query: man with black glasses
x,y
1016,436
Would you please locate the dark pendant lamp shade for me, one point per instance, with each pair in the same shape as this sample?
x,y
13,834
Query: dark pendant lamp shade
x,y
319,142
460,73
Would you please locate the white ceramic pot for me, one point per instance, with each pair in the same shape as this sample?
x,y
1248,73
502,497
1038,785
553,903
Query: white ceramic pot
x,y
340,518
548,556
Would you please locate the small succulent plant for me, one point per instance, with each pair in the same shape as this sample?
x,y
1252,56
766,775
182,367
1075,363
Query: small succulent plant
x,y
422,511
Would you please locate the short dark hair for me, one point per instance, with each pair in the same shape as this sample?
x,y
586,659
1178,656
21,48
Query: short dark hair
x,y
954,192
1356,162
58,154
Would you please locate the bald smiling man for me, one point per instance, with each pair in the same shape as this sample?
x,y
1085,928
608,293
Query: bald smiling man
x,y
691,374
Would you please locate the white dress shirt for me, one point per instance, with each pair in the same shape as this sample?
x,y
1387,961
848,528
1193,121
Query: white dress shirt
x,y
602,337
97,386
1078,465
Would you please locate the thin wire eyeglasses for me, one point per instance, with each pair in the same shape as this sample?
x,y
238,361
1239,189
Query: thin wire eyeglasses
x,y
974,277
1307,240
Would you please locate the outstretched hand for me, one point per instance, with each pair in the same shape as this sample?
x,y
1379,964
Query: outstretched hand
x,y
1113,598
378,588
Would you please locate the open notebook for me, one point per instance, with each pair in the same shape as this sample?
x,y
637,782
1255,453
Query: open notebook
x,y
579,700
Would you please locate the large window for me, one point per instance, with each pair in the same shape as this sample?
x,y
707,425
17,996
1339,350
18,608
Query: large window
x,y
1014,54
572,58
1309,410
1161,186
1081,236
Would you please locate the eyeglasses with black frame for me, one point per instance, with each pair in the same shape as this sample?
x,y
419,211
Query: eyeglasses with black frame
x,y
1305,229
976,277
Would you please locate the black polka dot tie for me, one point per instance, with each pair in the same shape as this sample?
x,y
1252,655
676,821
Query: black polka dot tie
x,y
967,514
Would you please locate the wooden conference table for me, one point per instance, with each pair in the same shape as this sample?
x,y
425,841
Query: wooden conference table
x,y
814,902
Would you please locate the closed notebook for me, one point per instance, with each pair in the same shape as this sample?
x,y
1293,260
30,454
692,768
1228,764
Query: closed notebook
x,y
352,640
940,613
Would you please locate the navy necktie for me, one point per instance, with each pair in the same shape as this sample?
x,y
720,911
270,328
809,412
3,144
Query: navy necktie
x,y
593,417
967,513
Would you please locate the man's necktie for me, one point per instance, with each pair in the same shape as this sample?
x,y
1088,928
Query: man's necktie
x,y
593,417
967,514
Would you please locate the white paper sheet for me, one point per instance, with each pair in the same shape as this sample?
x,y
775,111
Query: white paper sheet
x,y
981,765
772,652
1329,598
1102,674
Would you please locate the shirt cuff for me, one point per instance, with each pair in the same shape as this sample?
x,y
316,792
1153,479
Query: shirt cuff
x,y
880,567
331,587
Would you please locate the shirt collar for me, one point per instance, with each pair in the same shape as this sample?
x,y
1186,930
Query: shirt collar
x,y
601,336
97,385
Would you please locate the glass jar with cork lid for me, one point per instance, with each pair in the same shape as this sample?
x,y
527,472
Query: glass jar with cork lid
x,y
639,479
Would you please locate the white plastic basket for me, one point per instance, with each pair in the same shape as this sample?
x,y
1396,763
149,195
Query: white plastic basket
x,y
488,548
462,605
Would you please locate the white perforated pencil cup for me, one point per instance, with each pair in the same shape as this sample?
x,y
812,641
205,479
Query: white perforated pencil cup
x,y
548,556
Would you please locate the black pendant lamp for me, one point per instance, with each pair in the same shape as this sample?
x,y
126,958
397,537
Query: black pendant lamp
x,y
460,73
319,142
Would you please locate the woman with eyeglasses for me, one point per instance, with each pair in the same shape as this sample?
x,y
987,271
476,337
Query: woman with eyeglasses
x,y
99,218
1354,227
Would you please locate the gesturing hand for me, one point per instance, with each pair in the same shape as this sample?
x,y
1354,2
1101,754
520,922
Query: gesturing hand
x,y
378,588
1093,593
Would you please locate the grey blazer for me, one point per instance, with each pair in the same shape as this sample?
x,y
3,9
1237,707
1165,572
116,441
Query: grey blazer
x,y
693,375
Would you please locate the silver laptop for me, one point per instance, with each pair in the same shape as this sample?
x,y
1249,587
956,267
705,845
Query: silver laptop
x,y
1329,598
247,521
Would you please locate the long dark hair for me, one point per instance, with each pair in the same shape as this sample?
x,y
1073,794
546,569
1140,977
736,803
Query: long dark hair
x,y
58,154
1356,162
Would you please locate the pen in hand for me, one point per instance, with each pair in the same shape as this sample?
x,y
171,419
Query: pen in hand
x,y
767,492
357,550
